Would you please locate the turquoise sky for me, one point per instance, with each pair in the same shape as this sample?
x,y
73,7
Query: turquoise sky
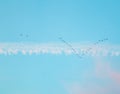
x,y
44,21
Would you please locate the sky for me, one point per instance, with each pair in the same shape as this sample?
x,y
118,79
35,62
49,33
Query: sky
x,y
59,47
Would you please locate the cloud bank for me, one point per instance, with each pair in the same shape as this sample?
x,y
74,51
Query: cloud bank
x,y
58,48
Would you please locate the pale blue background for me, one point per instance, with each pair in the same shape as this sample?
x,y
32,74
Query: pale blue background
x,y
45,21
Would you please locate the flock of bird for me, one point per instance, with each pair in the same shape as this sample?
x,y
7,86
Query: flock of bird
x,y
87,50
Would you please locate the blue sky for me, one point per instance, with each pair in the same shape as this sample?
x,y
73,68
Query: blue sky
x,y
43,22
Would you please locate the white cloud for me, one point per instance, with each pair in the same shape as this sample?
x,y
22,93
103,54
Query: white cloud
x,y
57,48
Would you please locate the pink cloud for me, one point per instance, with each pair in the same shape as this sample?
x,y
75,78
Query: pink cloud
x,y
77,88
115,76
103,72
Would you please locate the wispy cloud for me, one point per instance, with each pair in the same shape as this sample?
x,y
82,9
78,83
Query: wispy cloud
x,y
103,79
58,48
77,88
